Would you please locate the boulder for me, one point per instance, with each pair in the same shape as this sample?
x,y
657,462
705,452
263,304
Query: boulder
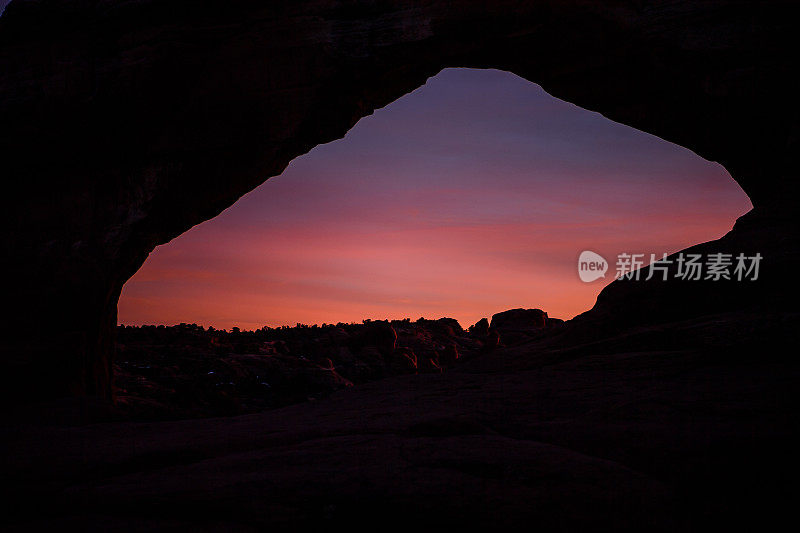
x,y
402,361
480,328
519,320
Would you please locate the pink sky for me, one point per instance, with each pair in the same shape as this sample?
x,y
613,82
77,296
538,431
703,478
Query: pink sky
x,y
474,194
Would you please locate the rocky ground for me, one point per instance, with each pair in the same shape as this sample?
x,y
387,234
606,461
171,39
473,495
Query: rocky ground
x,y
685,426
187,371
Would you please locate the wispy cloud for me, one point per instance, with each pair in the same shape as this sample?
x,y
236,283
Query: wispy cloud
x,y
469,196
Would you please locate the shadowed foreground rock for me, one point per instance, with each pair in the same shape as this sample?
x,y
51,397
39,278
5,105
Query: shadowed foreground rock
x,y
686,426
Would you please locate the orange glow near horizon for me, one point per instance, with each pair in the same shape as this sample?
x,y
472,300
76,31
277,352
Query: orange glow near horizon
x,y
472,195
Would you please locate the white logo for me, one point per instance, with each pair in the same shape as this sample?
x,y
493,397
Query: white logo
x,y
591,266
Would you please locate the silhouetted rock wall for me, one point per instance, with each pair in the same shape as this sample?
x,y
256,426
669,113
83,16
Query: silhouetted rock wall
x,y
124,123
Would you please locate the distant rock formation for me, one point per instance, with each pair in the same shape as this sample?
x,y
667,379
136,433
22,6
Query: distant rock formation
x,y
480,328
519,320
516,325
188,371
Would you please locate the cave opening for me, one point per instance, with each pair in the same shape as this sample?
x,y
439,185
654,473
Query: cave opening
x,y
471,195
668,406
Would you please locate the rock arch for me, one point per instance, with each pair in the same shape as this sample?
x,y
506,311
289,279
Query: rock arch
x,y
122,124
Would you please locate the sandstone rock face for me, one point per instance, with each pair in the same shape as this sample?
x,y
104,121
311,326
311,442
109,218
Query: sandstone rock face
x,y
186,371
516,325
481,327
519,319
124,123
